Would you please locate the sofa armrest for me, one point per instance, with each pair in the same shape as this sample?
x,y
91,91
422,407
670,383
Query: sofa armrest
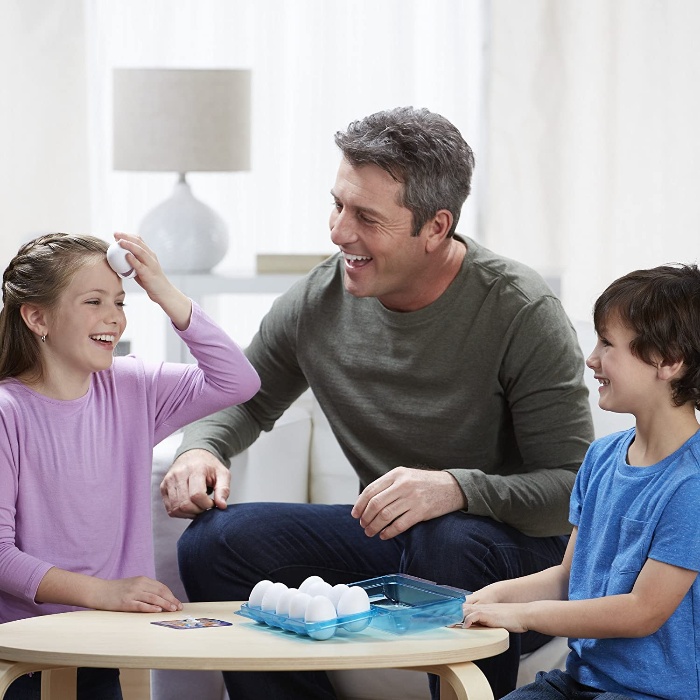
x,y
331,477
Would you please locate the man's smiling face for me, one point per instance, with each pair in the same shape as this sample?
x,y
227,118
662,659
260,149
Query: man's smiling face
x,y
373,231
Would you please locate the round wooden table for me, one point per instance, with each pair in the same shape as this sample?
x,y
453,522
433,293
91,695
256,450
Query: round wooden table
x,y
54,643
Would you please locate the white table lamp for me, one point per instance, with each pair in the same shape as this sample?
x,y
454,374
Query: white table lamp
x,y
177,120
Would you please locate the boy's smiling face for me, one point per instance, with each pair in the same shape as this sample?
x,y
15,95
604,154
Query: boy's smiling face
x,y
627,383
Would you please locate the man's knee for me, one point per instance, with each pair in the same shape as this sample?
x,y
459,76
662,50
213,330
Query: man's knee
x,y
202,535
469,551
215,556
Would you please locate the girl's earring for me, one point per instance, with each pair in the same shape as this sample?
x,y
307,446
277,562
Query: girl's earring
x,y
43,338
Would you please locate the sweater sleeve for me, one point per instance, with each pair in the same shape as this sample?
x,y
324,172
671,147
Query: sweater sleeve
x,y
222,377
20,573
541,378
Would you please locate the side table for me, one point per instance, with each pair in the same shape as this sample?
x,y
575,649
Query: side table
x,y
128,640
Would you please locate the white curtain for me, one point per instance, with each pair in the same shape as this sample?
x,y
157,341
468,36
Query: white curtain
x,y
44,175
316,65
593,145
583,117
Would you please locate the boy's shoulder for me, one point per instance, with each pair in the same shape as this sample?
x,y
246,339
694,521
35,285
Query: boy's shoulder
x,y
610,442
603,452
693,448
608,447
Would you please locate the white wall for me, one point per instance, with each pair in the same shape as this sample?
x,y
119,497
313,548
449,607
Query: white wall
x,y
316,66
586,157
593,140
44,179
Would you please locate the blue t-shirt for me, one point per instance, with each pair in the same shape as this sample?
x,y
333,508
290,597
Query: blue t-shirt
x,y
625,516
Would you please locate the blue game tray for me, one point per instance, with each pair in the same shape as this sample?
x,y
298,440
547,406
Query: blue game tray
x,y
399,604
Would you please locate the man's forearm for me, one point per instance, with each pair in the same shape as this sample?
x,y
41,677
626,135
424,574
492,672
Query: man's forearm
x,y
225,433
536,503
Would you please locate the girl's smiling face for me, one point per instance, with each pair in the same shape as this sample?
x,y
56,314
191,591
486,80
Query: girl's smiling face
x,y
86,323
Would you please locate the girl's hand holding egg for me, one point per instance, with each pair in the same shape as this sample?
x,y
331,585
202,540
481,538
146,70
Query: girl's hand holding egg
x,y
116,257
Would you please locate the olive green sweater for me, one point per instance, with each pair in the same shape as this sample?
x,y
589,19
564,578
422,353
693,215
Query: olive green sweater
x,y
486,382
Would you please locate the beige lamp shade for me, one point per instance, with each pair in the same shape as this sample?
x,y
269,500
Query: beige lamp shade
x,y
181,120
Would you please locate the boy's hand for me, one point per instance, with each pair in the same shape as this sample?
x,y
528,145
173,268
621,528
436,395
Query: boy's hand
x,y
486,595
508,615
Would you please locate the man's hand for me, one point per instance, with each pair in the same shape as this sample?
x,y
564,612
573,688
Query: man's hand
x,y
184,488
403,497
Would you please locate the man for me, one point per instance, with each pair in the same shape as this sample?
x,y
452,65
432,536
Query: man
x,y
452,380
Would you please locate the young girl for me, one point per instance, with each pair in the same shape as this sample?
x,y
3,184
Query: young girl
x,y
627,593
77,428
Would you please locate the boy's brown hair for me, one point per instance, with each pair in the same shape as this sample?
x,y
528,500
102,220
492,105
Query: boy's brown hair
x,y
662,307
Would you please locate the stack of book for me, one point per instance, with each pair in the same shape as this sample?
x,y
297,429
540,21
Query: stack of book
x,y
288,264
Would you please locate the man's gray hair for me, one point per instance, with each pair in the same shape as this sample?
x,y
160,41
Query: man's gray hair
x,y
420,149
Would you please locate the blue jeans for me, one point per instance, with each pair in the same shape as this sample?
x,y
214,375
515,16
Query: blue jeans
x,y
93,684
558,685
223,554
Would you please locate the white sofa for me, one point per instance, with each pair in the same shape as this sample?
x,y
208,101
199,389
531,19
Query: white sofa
x,y
300,461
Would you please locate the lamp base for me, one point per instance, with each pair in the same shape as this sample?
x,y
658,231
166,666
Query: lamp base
x,y
186,234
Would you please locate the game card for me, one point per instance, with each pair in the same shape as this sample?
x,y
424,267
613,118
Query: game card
x,y
192,623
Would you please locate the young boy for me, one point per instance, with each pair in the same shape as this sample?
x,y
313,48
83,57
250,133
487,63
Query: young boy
x,y
626,593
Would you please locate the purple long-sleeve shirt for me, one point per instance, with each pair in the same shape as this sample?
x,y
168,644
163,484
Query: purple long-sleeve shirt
x,y
75,476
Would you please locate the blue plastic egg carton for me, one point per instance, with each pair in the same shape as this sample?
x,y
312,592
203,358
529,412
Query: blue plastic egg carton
x,y
399,604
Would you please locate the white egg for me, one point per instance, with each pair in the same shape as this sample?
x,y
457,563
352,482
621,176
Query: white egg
x,y
256,595
284,600
306,583
116,257
298,604
336,592
319,588
320,609
272,595
353,601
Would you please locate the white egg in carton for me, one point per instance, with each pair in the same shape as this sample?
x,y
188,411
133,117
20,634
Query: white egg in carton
x,y
316,608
